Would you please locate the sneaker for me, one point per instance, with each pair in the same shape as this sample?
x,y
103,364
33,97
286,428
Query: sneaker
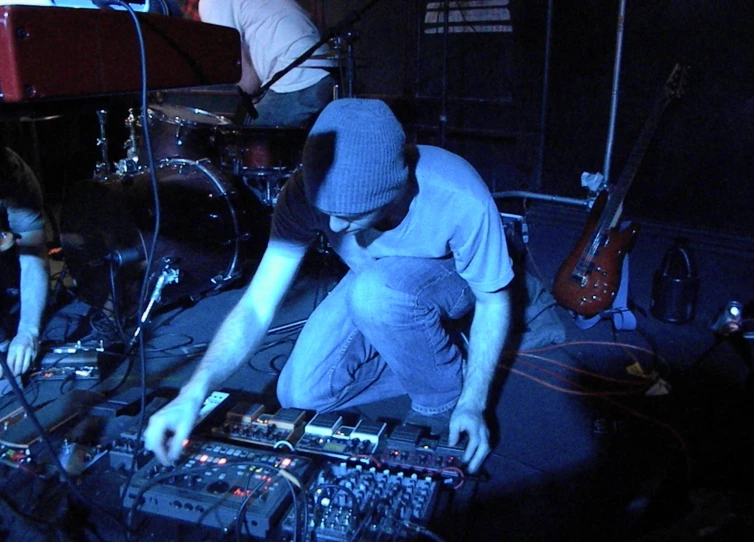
x,y
437,423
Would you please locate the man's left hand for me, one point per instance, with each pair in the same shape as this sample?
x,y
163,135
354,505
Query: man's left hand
x,y
470,421
22,351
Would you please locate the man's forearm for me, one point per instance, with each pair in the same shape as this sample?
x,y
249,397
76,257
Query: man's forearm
x,y
489,329
238,337
34,282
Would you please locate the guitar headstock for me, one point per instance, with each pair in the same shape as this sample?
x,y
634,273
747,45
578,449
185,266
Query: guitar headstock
x,y
675,86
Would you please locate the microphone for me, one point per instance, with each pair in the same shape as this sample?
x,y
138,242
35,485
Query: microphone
x,y
126,256
248,103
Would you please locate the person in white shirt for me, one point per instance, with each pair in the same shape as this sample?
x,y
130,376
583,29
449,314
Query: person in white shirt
x,y
274,33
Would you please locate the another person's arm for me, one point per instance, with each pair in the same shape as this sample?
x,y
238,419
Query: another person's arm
x,y
489,329
34,283
239,336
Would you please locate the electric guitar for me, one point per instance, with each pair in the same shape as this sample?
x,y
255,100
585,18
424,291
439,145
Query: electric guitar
x,y
588,279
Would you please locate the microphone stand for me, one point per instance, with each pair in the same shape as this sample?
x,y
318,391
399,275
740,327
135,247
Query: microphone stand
x,y
342,27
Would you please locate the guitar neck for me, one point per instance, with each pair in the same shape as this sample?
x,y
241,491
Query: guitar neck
x,y
618,192
627,176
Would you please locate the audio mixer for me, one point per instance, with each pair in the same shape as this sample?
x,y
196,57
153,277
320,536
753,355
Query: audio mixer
x,y
349,502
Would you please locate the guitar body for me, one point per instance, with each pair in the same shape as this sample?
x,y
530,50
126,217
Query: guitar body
x,y
589,287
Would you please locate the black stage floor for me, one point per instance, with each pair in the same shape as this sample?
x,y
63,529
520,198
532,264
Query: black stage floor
x,y
613,434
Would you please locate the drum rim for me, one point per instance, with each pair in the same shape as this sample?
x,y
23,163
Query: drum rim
x,y
154,112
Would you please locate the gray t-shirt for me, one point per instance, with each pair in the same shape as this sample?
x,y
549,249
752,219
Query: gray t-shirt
x,y
453,215
20,198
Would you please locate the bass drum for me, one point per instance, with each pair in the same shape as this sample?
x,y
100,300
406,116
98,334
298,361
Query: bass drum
x,y
107,228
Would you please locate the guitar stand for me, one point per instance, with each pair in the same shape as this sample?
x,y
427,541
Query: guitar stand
x,y
623,318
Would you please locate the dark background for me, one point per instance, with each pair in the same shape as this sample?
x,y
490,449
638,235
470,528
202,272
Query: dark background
x,y
676,468
696,172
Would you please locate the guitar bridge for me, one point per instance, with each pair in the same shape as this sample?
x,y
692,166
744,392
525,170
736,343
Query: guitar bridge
x,y
580,279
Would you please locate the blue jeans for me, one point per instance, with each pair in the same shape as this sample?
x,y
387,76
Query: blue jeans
x,y
382,333
294,109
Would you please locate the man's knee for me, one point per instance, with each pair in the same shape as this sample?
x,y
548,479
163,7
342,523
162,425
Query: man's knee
x,y
296,391
292,396
374,300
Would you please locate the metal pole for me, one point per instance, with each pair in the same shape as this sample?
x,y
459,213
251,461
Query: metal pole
x,y
545,95
614,100
444,77
537,195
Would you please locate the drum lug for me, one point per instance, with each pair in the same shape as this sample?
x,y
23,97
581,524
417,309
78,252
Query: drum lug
x,y
218,280
178,140
229,193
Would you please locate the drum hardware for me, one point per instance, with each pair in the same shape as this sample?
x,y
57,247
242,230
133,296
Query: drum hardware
x,y
206,226
265,183
131,162
102,169
168,275
343,44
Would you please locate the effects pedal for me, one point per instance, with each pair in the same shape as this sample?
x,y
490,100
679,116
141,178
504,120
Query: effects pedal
x,y
215,484
249,423
123,450
327,435
215,399
409,447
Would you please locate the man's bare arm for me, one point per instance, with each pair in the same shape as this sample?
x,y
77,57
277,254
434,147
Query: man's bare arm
x,y
489,329
34,283
239,336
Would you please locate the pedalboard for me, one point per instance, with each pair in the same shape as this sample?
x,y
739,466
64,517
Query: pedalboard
x,y
329,434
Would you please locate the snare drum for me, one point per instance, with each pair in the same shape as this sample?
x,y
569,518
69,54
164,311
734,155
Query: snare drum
x,y
205,232
259,149
181,132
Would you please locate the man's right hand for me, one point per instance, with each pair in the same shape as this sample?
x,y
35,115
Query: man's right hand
x,y
170,427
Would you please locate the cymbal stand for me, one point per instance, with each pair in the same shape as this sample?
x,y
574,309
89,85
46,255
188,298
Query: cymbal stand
x,y
131,162
102,169
345,42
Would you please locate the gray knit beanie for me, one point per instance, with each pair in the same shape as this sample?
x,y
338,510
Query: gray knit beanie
x,y
353,159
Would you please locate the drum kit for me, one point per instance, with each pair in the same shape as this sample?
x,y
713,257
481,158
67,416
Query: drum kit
x,y
217,185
